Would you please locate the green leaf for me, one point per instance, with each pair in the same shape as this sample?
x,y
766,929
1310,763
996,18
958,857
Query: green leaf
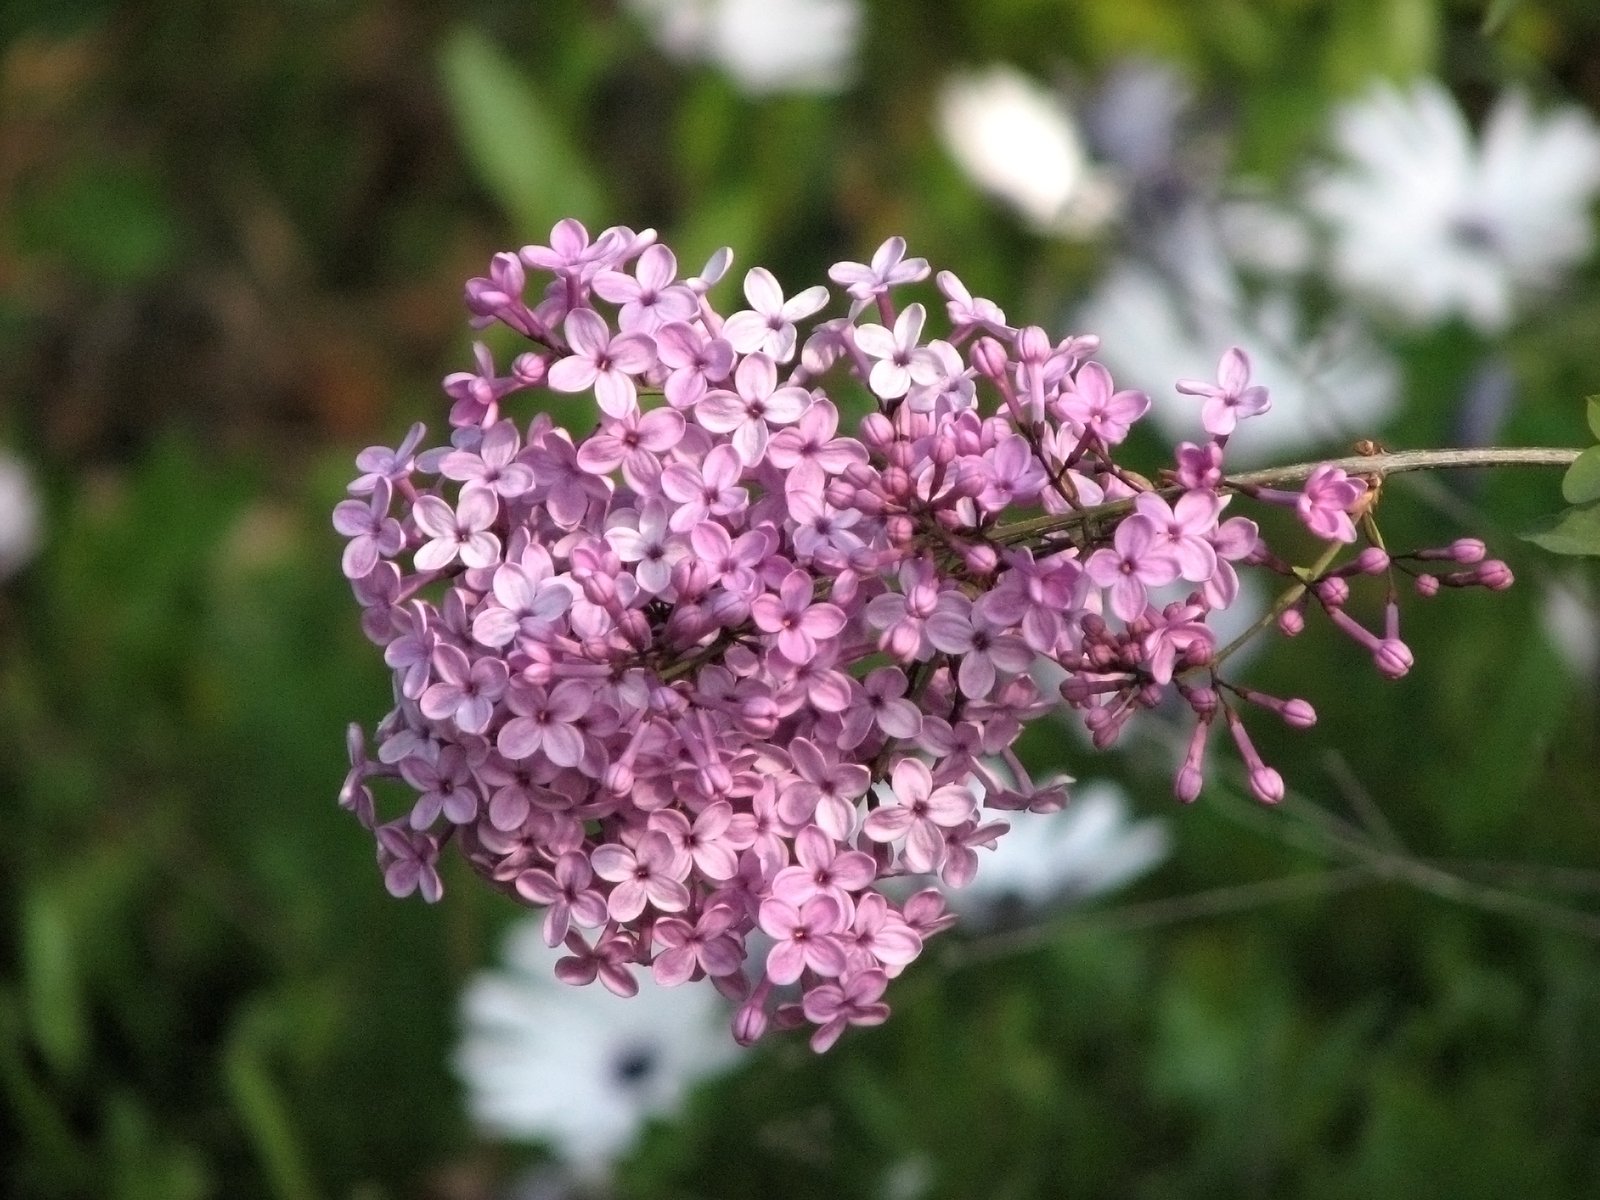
x,y
1581,483
1574,530
1594,415
513,139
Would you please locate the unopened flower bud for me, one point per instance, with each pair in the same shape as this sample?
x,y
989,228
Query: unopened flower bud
x,y
618,779
1266,785
759,715
877,431
1372,560
1427,586
1033,344
1393,658
989,357
529,369
980,560
1299,714
1332,591
1468,550
896,483
1495,575
1188,784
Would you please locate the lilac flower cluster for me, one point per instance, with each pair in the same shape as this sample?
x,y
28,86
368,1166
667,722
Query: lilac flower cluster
x,y
713,676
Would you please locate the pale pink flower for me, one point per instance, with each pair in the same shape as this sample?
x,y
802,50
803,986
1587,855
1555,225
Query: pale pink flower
x,y
767,326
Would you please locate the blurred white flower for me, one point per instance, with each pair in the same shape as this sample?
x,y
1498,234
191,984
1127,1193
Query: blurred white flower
x,y
1431,222
1087,848
1170,317
1019,143
765,45
579,1067
1572,621
19,515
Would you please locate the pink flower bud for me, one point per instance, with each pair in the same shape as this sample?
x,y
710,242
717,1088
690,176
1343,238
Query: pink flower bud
x,y
1496,576
1332,591
1393,658
1266,785
1188,784
877,431
1468,550
1299,714
1372,560
1427,585
989,356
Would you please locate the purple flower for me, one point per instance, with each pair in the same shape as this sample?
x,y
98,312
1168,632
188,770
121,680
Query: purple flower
x,y
461,531
695,360
888,268
650,297
806,937
603,362
810,452
797,622
565,889
1137,561
644,874
1184,529
1232,398
854,1001
1089,402
1326,502
379,463
920,814
746,414
901,361
466,691
493,464
409,861
544,721
823,868
373,533
705,491
712,944
767,326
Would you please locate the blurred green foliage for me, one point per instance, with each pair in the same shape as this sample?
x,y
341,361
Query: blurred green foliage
x,y
231,246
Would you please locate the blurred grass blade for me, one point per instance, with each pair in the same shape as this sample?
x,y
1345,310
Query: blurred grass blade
x,y
514,140
1498,12
261,1108
56,1007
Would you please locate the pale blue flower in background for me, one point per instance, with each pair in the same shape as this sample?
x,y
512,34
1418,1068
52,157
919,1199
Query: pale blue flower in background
x,y
766,46
578,1067
1169,313
1017,141
20,518
1429,221
1088,848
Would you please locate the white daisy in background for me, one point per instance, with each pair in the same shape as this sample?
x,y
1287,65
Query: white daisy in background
x,y
1017,141
19,515
1572,622
1432,222
1170,316
765,45
1087,848
578,1067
